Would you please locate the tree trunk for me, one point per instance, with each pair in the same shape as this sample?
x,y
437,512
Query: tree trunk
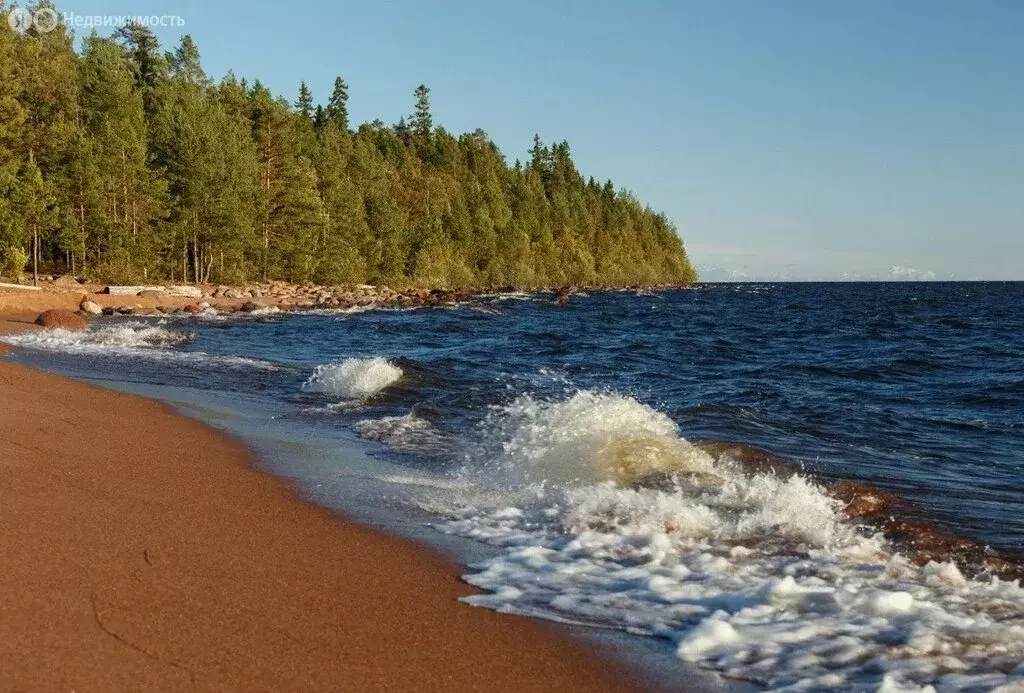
x,y
81,217
35,255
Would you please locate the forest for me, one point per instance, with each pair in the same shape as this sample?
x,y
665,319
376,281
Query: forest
x,y
121,162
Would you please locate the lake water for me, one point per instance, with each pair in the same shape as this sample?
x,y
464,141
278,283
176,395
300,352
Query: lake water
x,y
547,434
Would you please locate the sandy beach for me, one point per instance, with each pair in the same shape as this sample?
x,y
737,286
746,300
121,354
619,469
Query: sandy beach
x,y
143,551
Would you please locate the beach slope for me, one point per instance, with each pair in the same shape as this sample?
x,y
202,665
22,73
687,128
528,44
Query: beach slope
x,y
142,551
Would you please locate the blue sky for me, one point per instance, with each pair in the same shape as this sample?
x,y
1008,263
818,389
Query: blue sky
x,y
786,138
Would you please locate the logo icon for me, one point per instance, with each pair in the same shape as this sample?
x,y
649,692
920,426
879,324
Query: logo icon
x,y
46,20
19,19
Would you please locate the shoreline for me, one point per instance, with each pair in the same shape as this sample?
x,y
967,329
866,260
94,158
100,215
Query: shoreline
x,y
198,571
67,294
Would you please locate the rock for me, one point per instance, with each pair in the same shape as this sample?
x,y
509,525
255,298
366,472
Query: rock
x,y
249,307
90,307
108,310
66,280
151,293
192,309
203,305
64,319
863,501
233,293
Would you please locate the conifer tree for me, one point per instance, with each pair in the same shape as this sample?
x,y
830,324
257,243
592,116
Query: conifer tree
x,y
337,107
304,104
128,164
184,63
422,122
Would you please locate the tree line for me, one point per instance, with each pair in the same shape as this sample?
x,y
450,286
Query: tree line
x,y
127,164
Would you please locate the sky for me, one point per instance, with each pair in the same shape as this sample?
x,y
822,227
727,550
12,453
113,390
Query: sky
x,y
786,139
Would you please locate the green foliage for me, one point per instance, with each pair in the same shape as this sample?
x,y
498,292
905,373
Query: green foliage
x,y
422,122
128,164
12,262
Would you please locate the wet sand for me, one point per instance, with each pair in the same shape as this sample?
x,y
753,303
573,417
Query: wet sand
x,y
143,551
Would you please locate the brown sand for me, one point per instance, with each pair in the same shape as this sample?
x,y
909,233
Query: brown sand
x,y
142,552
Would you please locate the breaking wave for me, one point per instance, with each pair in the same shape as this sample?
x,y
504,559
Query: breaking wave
x,y
607,517
129,339
355,378
127,335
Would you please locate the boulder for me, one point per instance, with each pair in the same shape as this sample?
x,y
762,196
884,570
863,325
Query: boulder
x,y
90,307
233,293
64,319
66,280
192,308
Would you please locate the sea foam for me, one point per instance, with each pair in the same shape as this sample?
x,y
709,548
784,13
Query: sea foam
x,y
408,433
134,339
354,378
125,335
757,576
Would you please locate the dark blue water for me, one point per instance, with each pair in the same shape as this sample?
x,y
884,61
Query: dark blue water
x,y
916,388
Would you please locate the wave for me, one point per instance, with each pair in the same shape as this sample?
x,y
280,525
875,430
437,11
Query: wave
x,y
127,335
407,433
607,517
354,378
131,340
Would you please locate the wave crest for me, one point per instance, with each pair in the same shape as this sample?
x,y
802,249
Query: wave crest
x,y
591,436
757,575
354,378
127,335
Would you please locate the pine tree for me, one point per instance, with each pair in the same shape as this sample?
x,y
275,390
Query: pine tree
x,y
116,200
304,104
129,164
337,107
143,52
422,122
36,203
184,63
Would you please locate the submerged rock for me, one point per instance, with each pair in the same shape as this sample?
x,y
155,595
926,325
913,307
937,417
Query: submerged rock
x,y
750,459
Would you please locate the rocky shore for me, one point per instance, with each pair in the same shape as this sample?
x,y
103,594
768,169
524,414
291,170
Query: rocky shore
x,y
96,299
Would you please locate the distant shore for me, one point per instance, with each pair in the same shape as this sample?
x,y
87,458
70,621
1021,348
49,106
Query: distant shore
x,y
143,551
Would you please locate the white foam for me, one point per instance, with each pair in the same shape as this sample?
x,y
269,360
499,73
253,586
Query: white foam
x,y
124,335
407,433
588,437
758,577
426,481
132,339
355,378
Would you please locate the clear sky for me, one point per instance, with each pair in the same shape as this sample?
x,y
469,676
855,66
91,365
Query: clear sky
x,y
785,138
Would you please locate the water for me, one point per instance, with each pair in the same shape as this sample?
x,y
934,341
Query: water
x,y
550,433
